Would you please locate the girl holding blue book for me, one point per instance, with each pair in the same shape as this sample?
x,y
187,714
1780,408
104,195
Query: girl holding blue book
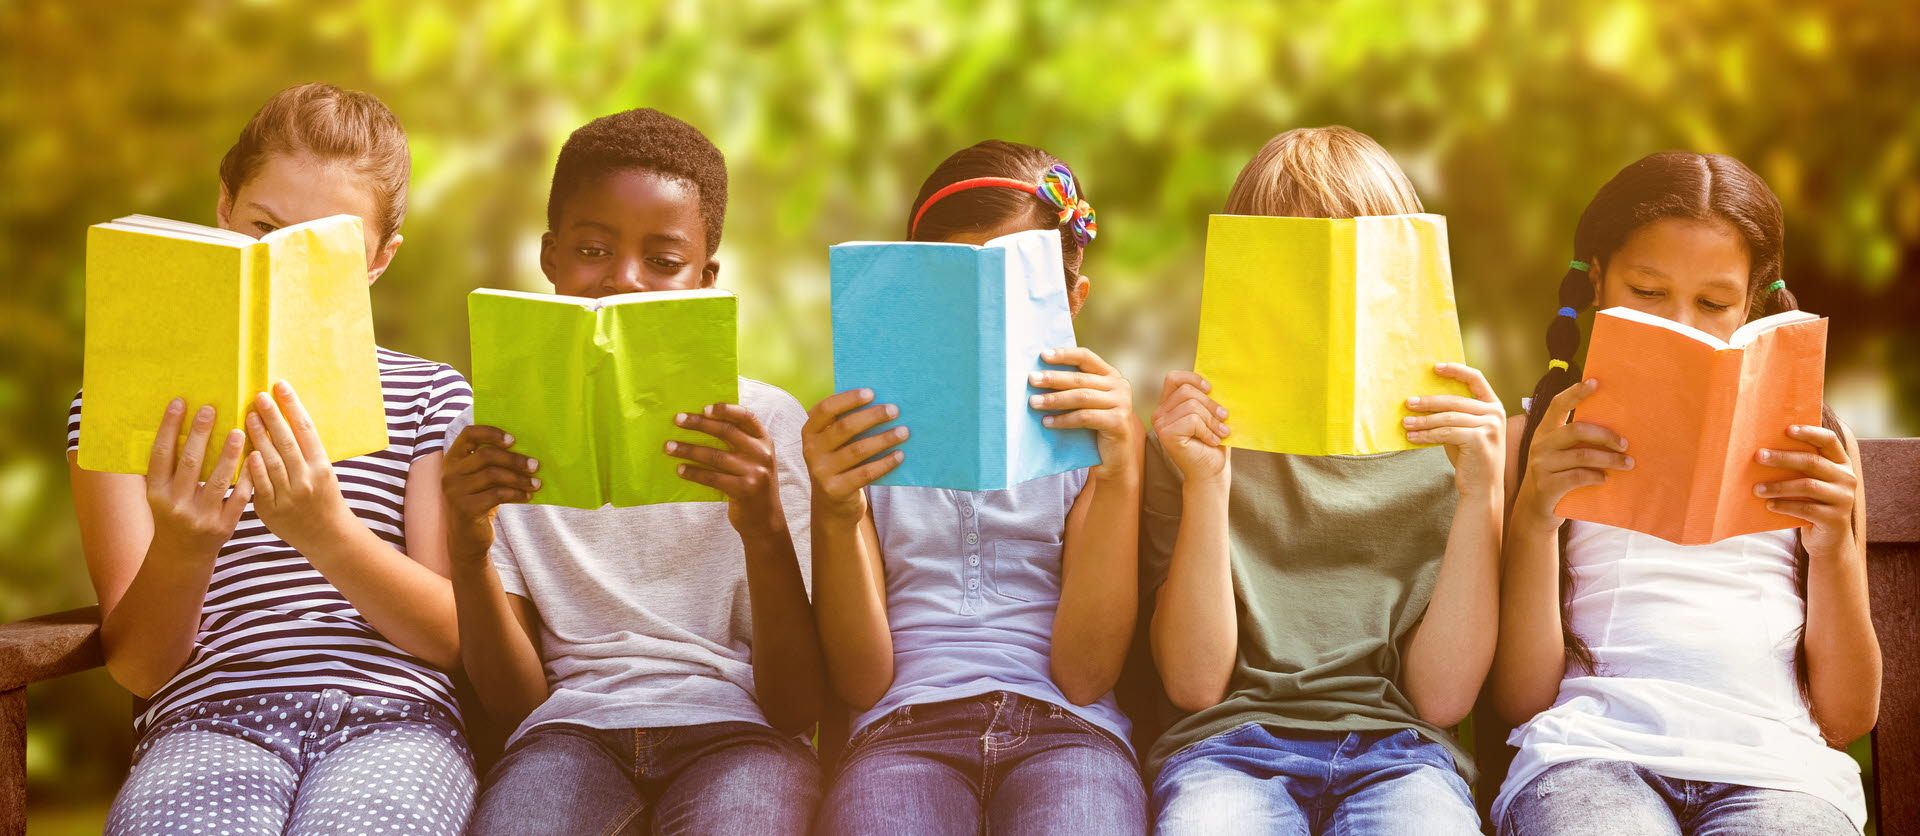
x,y
978,634
1662,688
1320,621
288,637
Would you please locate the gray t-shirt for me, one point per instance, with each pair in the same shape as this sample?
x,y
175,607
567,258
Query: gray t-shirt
x,y
645,618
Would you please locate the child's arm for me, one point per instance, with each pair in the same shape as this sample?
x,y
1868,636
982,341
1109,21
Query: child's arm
x,y
1531,654
1843,652
296,494
499,632
1194,631
786,649
849,583
1093,624
150,553
1448,654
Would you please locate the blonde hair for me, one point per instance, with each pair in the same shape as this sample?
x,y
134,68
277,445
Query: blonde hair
x,y
337,126
1330,172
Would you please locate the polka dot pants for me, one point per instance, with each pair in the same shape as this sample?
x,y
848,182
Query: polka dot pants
x,y
296,763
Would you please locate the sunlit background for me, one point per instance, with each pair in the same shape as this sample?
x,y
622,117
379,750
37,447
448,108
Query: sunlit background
x,y
1507,116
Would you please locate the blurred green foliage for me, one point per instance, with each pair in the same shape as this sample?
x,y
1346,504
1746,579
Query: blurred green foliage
x,y
1507,115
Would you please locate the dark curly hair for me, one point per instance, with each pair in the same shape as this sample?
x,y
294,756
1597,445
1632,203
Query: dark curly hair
x,y
648,140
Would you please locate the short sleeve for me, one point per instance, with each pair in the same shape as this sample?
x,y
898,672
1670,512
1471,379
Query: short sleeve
x,y
505,564
73,424
448,397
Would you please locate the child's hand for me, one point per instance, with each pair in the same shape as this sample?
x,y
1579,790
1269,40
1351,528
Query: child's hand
x,y
1474,429
191,517
480,475
1824,497
1192,428
837,460
295,492
744,471
1565,455
1095,398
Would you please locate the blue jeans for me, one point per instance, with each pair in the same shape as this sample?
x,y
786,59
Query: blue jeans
x,y
299,762
999,763
711,778
1605,797
1251,780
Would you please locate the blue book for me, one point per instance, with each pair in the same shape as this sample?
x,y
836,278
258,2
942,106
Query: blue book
x,y
949,333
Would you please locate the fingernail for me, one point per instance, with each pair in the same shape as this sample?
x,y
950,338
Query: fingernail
x,y
1225,430
1592,383
1220,412
707,411
508,439
536,484
205,413
1759,490
1206,385
176,405
671,446
1764,455
893,411
1413,402
1033,401
533,465
866,394
1406,422
1623,445
1629,462
1047,421
283,387
1036,378
899,432
680,469
680,418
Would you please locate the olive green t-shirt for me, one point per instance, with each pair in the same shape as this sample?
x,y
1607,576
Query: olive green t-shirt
x,y
1334,560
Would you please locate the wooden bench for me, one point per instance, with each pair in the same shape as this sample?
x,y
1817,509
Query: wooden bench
x,y
51,646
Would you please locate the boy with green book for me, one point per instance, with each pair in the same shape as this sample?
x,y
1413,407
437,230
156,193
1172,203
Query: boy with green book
x,y
659,660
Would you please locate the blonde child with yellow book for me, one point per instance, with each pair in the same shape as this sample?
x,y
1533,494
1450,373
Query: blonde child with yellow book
x,y
286,629
1320,620
1658,687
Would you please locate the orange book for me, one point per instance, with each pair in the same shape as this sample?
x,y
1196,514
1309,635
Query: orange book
x,y
1694,410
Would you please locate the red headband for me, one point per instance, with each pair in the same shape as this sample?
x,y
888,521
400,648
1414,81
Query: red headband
x,y
961,186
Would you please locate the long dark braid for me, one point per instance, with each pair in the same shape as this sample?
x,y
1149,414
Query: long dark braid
x,y
1671,184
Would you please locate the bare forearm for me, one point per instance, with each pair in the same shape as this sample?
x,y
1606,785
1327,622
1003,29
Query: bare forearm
x,y
1843,651
1093,624
786,646
849,597
500,659
411,605
1194,631
1452,648
149,634
1531,657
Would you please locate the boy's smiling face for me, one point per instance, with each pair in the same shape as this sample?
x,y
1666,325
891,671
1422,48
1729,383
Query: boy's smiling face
x,y
626,232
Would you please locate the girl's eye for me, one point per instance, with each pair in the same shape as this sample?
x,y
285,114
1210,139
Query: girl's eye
x,y
1645,293
264,227
1712,306
591,252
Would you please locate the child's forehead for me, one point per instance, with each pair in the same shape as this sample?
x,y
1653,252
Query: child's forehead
x,y
634,197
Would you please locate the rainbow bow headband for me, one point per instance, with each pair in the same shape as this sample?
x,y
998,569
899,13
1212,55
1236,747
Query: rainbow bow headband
x,y
1056,187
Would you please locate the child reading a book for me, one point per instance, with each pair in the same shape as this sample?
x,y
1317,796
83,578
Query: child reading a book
x,y
1320,620
1662,688
979,634
288,637
658,660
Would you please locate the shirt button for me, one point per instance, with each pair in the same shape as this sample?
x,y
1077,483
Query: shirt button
x,y
973,537
966,510
973,583
973,560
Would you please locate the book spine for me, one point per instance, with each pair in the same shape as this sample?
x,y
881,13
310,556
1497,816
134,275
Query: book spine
x,y
256,325
1343,326
991,422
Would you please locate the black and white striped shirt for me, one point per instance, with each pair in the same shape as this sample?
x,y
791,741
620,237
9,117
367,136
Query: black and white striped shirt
x,y
270,622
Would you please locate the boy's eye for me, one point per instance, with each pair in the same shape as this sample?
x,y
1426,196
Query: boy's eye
x,y
666,263
264,227
591,252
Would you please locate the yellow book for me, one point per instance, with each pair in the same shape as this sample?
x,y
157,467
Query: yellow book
x,y
213,316
1315,331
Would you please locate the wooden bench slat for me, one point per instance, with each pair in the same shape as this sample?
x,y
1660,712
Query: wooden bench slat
x,y
50,646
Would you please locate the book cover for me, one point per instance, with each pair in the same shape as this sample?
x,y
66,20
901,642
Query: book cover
x,y
213,316
1694,410
949,333
1315,331
589,387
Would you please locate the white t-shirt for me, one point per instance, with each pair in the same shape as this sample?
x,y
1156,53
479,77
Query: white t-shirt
x,y
645,618
1694,678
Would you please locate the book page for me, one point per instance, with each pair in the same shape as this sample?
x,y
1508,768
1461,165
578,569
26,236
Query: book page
x,y
1267,330
533,360
1036,318
671,355
1746,334
164,319
318,324
181,229
1405,322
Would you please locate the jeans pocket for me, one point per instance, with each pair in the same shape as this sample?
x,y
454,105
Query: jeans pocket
x,y
1026,570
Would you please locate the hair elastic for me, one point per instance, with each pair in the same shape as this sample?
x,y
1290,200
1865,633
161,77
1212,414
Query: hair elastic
x,y
1579,265
1557,364
1055,186
1569,313
1777,286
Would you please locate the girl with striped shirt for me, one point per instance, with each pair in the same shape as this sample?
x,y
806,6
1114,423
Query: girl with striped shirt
x,y
287,632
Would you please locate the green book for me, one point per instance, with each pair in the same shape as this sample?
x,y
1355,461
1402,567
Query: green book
x,y
589,387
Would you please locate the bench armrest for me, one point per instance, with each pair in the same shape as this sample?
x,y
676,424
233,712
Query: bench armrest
x,y
39,649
